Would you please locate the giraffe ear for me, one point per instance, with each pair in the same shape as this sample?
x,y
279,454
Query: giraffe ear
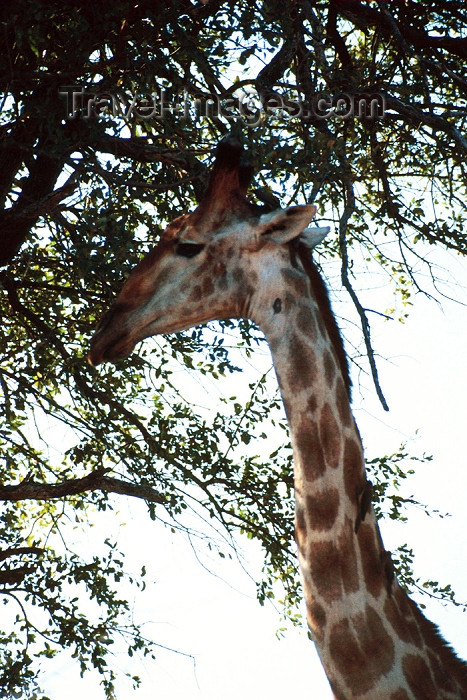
x,y
311,237
283,225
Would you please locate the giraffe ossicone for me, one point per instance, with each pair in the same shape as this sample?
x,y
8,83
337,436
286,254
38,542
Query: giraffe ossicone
x,y
231,259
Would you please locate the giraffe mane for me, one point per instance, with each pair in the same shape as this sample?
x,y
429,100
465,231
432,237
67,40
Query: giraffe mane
x,y
451,663
321,295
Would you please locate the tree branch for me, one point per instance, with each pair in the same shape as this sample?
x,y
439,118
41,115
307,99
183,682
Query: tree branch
x,y
14,576
343,223
417,116
13,551
363,16
273,72
95,481
16,222
138,148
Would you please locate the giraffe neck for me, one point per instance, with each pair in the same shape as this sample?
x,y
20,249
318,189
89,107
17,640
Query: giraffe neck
x,y
372,639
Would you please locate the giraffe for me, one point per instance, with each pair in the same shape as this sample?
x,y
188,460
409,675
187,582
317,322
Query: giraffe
x,y
232,259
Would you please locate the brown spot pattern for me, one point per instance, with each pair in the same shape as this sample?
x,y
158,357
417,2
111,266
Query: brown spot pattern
x,y
253,276
342,403
300,527
310,453
362,650
312,403
239,276
289,301
320,294
330,437
329,367
205,268
221,282
305,322
321,326
349,573
398,611
274,344
322,509
316,616
399,695
353,467
370,558
207,286
303,372
441,674
300,522
419,678
295,281
325,569
197,293
333,566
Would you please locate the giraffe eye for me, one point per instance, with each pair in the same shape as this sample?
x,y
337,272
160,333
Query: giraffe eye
x,y
188,250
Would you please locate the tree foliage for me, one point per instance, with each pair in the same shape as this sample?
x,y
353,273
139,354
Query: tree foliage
x,y
110,112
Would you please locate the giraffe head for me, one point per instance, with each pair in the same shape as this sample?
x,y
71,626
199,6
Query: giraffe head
x,y
214,263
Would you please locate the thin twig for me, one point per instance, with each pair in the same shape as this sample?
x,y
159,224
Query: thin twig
x,y
344,219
